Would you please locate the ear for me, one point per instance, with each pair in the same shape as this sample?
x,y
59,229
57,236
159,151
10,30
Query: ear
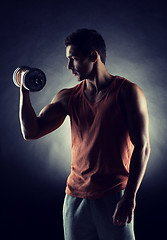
x,y
94,56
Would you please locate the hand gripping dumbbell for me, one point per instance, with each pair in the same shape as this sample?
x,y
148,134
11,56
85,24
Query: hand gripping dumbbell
x,y
33,79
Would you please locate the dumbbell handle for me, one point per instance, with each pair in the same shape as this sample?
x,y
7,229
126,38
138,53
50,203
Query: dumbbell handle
x,y
33,79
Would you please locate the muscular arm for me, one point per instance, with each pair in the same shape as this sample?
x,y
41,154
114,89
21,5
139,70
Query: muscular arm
x,y
49,119
134,107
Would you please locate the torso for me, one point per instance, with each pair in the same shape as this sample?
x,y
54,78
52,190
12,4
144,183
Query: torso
x,y
98,126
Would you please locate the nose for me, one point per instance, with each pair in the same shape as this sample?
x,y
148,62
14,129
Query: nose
x,y
70,65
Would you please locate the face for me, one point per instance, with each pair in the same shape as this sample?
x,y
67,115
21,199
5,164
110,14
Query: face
x,y
80,66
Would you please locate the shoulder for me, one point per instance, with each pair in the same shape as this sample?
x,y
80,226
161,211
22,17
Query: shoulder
x,y
132,98
63,97
64,94
130,91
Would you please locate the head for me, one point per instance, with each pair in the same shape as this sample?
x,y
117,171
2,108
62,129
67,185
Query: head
x,y
83,48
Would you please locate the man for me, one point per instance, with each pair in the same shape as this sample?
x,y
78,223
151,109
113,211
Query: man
x,y
110,141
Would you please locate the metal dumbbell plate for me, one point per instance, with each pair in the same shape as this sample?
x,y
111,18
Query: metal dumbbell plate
x,y
34,79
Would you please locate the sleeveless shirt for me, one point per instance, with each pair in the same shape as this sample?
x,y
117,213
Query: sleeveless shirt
x,y
100,143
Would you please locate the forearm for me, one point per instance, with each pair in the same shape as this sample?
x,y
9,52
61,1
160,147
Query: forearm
x,y
137,170
27,115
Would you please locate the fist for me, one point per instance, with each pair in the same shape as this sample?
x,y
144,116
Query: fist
x,y
124,211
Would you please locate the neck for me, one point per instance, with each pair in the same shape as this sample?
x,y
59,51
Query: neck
x,y
99,79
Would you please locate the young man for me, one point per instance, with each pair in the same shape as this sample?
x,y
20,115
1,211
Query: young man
x,y
110,141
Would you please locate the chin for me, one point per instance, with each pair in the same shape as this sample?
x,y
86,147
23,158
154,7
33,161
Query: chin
x,y
80,78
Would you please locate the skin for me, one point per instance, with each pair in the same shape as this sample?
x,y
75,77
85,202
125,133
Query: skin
x,y
134,108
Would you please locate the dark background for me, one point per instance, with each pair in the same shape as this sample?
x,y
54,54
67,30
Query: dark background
x,y
33,173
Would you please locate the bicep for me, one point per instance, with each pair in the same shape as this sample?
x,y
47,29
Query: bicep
x,y
136,114
50,118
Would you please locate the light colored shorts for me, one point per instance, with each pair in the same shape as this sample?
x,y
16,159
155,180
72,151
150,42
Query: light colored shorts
x,y
91,219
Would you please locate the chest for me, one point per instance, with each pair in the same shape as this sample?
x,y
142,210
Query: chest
x,y
93,111
94,98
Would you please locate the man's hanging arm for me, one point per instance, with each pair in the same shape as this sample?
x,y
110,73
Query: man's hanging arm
x,y
134,106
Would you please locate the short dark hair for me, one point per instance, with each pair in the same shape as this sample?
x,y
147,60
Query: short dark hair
x,y
87,40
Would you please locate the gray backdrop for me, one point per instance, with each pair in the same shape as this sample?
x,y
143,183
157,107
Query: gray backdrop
x,y
34,173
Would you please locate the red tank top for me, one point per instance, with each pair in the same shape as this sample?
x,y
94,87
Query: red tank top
x,y
101,146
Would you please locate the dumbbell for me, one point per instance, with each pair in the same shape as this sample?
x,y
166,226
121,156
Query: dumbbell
x,y
33,79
